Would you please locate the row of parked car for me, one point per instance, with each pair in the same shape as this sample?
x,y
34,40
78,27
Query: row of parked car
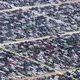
x,y
32,2
67,15
4,5
74,75
20,23
59,53
11,64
